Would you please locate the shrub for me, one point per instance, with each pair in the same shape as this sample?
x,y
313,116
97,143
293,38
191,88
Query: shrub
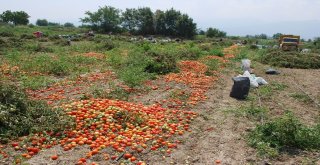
x,y
6,34
291,59
161,63
27,36
59,68
40,48
62,42
282,133
216,52
213,65
54,37
20,116
107,44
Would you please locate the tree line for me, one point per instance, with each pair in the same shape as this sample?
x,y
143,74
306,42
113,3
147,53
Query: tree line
x,y
141,21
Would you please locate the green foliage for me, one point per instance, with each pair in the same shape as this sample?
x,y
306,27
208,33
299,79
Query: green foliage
x,y
62,42
20,116
285,132
27,36
68,24
17,17
106,44
42,22
213,32
141,21
213,65
54,24
138,21
301,97
161,63
216,52
6,34
59,68
291,59
115,92
276,36
106,19
35,82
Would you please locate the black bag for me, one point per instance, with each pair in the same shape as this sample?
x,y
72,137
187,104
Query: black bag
x,y
240,88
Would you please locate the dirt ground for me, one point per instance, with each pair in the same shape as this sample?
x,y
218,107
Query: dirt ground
x,y
217,135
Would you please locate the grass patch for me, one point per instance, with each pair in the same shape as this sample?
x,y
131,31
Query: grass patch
x,y
35,82
301,97
251,112
284,133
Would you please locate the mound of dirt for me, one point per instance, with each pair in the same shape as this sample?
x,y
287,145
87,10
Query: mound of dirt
x,y
291,59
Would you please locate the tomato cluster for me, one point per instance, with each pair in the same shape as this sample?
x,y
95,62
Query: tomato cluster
x,y
123,126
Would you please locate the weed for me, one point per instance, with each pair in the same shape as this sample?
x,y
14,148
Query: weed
x,y
39,48
213,65
59,68
216,52
20,116
284,132
301,97
27,36
291,59
35,82
6,34
252,112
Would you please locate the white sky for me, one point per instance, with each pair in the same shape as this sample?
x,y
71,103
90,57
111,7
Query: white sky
x,y
236,17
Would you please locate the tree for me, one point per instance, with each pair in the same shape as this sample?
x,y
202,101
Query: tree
x,y
261,36
68,24
129,20
201,32
42,22
276,36
20,18
173,23
7,16
17,17
106,19
53,24
214,32
171,18
185,26
145,21
160,22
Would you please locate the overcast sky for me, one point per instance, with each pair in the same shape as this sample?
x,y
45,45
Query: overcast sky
x,y
236,17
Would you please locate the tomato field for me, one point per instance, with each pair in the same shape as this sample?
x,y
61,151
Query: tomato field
x,y
108,99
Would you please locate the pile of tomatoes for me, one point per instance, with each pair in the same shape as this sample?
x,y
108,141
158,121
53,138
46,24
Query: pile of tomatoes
x,y
125,127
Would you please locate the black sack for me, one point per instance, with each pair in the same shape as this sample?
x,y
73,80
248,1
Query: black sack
x,y
240,88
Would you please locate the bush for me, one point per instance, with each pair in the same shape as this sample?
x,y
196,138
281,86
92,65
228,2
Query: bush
x,y
27,36
216,52
59,68
20,116
291,59
39,48
107,44
161,63
6,34
62,42
282,133
54,37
